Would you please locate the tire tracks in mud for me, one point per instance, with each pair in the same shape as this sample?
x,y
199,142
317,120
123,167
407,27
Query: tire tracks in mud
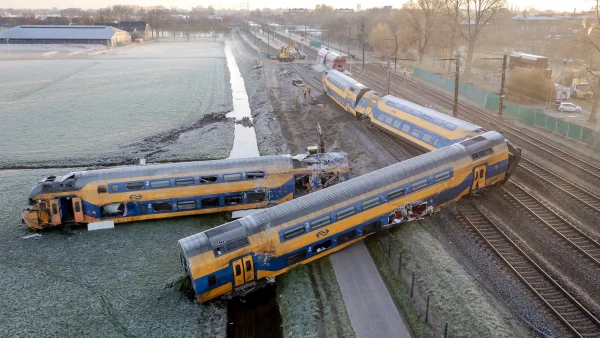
x,y
53,82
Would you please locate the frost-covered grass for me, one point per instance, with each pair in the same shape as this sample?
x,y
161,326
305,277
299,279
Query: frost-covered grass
x,y
452,290
311,303
78,111
102,283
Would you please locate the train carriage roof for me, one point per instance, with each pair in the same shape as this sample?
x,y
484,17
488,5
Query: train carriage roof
x,y
362,185
344,79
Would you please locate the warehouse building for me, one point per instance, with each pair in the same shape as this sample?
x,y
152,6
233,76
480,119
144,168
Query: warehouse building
x,y
45,35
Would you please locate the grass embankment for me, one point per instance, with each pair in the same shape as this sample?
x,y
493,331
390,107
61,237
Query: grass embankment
x,y
311,303
453,291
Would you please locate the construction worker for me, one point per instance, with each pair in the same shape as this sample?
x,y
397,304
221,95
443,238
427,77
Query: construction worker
x,y
304,94
309,89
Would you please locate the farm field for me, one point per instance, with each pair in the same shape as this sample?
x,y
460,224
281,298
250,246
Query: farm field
x,y
136,102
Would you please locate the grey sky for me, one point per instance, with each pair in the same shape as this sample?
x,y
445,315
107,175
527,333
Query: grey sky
x,y
85,4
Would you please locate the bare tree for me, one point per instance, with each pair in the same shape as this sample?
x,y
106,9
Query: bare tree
x,y
419,23
123,12
478,14
452,17
104,15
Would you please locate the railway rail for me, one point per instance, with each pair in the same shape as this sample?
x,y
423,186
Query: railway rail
x,y
569,311
556,223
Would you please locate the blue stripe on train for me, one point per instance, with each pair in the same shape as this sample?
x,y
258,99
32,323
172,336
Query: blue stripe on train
x,y
133,207
262,262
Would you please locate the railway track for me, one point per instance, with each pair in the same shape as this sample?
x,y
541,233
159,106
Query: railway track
x,y
569,311
556,223
589,199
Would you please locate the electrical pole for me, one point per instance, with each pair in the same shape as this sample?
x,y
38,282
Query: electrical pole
x,y
501,103
389,73
456,83
349,38
396,58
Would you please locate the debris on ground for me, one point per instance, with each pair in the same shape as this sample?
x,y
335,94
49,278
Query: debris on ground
x,y
245,121
298,83
35,236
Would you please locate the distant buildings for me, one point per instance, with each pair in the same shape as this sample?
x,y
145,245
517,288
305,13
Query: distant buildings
x,y
44,35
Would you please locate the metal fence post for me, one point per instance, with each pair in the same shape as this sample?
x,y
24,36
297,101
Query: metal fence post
x,y
446,331
412,285
427,310
400,264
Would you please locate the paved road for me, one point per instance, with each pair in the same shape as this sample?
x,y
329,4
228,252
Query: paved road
x,y
370,307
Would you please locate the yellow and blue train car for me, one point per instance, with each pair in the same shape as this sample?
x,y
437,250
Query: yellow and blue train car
x,y
343,89
423,128
179,189
240,256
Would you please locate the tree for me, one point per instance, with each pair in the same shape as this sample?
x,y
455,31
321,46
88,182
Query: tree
x,y
104,15
451,18
378,39
323,8
478,14
122,12
418,24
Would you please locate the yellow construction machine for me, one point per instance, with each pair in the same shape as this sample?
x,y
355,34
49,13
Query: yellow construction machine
x,y
284,54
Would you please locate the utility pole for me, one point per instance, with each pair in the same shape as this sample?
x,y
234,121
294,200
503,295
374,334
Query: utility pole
x,y
349,38
502,81
389,74
396,52
456,83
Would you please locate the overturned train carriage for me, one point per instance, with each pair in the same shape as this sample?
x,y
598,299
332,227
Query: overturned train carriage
x,y
240,256
179,189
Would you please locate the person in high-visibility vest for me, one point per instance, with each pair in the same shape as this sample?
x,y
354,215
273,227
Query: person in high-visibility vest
x,y
309,89
304,94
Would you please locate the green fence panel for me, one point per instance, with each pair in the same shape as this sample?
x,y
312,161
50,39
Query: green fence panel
x,y
562,127
492,102
587,135
529,116
597,145
450,84
574,131
462,88
523,113
540,119
511,108
550,123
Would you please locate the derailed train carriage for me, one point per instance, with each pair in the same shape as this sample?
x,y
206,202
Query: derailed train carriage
x,y
137,193
421,127
240,256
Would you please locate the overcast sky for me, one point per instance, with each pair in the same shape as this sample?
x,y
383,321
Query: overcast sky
x,y
561,5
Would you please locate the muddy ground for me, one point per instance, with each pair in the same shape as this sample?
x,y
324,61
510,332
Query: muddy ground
x,y
148,101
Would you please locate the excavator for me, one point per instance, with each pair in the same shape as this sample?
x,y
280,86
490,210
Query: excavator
x,y
285,55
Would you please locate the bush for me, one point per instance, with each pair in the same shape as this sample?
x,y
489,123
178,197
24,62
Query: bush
x,y
531,83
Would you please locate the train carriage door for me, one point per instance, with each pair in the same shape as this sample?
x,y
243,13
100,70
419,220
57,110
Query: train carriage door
x,y
55,210
238,272
77,209
479,173
248,268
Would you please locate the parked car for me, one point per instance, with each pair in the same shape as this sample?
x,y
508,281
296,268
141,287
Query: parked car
x,y
567,106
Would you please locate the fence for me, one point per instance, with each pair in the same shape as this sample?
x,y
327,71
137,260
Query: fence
x,y
436,322
533,116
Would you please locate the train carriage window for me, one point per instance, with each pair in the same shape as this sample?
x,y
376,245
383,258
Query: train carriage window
x,y
208,179
102,189
438,121
427,138
160,184
416,133
162,207
381,117
406,128
450,126
426,117
442,176
322,246
370,203
186,205
212,280
253,175
296,258
77,207
345,238
392,195
184,181
435,141
419,185
210,202
238,270
114,188
134,185
293,232
345,213
473,140
233,200
143,209
397,124
232,177
482,153
319,222
256,197
371,227
389,120
54,209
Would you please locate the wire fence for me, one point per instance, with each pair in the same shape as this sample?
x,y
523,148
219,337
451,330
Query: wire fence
x,y
428,308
